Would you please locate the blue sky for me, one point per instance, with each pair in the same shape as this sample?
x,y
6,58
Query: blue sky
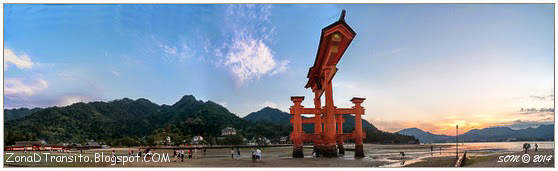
x,y
421,65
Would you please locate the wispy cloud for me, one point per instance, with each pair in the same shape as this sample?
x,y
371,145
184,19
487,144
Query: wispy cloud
x,y
68,100
522,124
534,111
18,87
23,61
268,104
547,97
115,73
223,103
248,54
169,51
249,59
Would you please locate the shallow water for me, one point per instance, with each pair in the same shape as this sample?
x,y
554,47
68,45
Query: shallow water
x,y
413,155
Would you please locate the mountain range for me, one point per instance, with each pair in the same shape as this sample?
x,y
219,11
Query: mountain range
x,y
491,134
142,122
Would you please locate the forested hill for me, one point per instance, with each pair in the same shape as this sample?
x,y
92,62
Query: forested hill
x,y
11,114
132,122
127,122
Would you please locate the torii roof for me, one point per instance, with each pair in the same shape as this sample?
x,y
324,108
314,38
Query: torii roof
x,y
339,26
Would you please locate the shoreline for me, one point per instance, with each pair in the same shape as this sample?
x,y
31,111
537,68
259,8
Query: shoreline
x,y
489,160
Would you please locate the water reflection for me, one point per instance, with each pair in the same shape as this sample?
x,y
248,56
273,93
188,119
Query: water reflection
x,y
400,155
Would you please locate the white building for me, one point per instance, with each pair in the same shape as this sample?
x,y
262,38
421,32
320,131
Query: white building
x,y
197,139
228,131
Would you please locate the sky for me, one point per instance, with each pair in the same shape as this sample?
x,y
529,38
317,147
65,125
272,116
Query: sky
x,y
429,66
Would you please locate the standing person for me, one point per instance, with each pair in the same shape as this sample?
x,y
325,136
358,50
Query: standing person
x,y
536,147
314,153
182,155
526,147
148,153
259,154
232,153
253,155
114,155
238,151
189,153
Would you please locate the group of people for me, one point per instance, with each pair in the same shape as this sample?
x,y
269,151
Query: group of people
x,y
235,152
527,146
180,154
256,153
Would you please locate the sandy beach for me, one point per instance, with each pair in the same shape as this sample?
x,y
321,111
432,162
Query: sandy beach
x,y
377,155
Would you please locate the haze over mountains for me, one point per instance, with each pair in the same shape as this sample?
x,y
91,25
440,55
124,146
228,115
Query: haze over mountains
x,y
142,122
491,134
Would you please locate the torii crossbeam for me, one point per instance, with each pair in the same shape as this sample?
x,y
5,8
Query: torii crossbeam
x,y
327,120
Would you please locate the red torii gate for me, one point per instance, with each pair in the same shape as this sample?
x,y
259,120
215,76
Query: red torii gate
x,y
327,120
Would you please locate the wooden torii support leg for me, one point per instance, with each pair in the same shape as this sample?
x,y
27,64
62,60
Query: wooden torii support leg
x,y
296,135
330,133
359,111
340,139
318,122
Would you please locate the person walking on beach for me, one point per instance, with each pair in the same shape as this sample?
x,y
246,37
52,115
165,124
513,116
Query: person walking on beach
x,y
238,151
536,147
526,147
232,153
431,150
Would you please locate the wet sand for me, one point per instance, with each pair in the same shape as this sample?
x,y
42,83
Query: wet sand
x,y
377,155
492,160
489,160
272,157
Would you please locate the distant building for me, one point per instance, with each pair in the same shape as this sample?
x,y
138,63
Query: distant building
x,y
228,131
92,144
30,143
259,141
284,140
197,139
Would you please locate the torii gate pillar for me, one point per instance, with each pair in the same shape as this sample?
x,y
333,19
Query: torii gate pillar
x,y
358,136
